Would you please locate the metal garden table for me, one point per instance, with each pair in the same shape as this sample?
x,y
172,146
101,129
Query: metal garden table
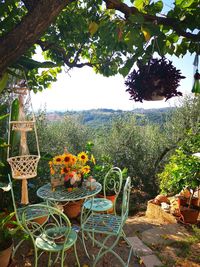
x,y
62,195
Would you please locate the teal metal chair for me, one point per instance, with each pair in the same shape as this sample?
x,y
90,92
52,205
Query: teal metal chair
x,y
53,235
112,183
37,215
104,228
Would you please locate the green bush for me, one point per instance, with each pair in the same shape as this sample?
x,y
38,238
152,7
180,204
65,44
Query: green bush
x,y
183,169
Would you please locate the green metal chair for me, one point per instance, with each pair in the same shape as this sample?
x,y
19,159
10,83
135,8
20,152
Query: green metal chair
x,y
53,235
108,226
37,214
112,183
32,214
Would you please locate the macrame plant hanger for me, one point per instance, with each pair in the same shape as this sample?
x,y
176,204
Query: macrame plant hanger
x,y
23,164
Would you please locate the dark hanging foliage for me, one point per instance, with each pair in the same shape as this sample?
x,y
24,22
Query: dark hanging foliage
x,y
157,78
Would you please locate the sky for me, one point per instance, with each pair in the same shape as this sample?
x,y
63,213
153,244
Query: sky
x,y
83,89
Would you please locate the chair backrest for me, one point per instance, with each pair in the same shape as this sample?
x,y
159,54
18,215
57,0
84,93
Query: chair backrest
x,y
54,228
125,200
19,211
113,182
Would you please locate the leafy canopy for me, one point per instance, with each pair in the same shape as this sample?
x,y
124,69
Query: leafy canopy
x,y
107,35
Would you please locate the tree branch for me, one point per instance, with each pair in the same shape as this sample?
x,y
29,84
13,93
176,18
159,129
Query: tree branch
x,y
16,42
171,22
61,51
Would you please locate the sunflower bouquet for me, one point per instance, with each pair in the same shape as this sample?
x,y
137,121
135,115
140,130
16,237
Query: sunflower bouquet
x,y
69,170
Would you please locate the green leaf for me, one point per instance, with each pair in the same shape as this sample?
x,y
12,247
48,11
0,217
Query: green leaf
x,y
4,117
125,70
158,6
15,110
140,4
14,136
93,27
184,3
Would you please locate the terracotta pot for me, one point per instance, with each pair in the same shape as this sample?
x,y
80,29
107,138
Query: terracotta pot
x,y
194,202
73,209
182,201
41,220
5,256
189,215
112,198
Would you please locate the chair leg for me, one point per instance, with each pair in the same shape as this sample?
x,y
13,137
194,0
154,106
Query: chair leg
x,y
35,252
62,258
76,255
16,248
84,245
105,249
49,260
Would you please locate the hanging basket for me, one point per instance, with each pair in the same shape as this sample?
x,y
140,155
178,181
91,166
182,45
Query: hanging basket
x,y
24,167
153,81
24,126
155,97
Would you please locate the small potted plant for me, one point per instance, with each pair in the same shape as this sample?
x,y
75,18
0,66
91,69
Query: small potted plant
x,y
156,80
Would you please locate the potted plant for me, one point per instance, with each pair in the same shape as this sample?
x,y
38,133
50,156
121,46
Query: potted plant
x,y
181,173
6,237
156,80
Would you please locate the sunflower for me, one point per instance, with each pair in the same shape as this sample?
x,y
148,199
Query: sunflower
x,y
68,159
83,157
65,170
85,169
57,160
73,159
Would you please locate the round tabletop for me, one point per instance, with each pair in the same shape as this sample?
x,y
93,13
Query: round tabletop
x,y
61,194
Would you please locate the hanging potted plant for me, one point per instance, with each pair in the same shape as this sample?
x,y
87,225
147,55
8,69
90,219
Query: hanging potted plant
x,y
156,80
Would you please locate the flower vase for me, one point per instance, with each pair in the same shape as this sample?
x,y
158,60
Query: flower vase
x,y
73,180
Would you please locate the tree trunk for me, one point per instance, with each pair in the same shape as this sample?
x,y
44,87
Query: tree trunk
x,y
15,43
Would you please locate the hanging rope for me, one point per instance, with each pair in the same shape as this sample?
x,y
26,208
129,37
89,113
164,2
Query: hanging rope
x,y
23,166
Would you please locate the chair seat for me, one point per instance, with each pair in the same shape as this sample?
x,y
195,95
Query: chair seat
x,y
44,243
103,223
98,204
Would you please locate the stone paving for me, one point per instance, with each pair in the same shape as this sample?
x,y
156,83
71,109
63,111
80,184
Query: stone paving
x,y
145,232
145,253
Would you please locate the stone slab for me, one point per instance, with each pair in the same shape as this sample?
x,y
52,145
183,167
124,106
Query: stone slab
x,y
139,248
151,261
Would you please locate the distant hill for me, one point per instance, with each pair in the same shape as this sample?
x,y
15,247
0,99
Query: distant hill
x,y
98,117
